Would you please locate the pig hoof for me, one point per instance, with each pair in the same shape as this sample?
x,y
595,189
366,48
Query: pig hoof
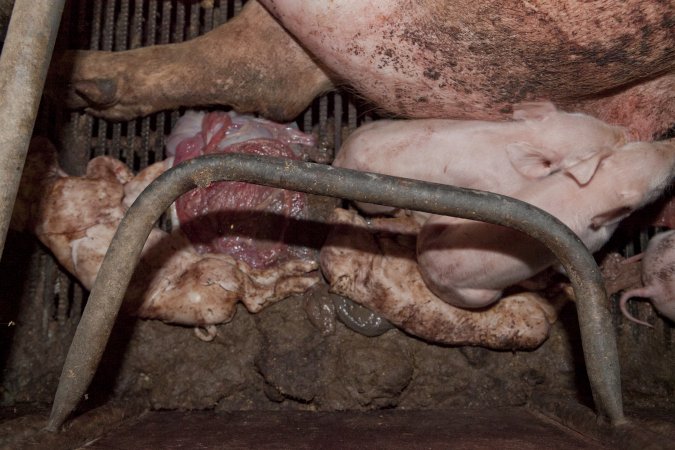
x,y
98,93
207,333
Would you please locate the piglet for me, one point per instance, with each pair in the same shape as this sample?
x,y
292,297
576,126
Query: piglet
x,y
500,157
468,263
658,276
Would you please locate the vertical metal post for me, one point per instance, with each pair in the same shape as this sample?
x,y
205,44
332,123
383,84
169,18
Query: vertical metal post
x,y
23,68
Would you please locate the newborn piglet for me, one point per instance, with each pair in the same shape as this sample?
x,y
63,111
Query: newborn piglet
x,y
501,157
658,276
468,263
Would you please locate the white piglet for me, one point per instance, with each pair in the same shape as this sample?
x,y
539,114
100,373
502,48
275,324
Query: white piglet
x,y
501,157
658,276
468,263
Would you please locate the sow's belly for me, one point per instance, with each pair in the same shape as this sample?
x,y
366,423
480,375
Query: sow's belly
x,y
453,59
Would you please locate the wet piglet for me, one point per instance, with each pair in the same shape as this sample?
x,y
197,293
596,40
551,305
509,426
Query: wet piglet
x,y
658,276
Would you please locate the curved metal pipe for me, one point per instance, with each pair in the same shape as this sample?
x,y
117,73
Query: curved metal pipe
x,y
23,68
122,257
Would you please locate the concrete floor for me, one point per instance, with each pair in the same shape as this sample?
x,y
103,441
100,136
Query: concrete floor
x,y
503,428
549,423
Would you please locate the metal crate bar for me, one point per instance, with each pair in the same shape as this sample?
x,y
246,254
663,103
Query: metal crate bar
x,y
106,297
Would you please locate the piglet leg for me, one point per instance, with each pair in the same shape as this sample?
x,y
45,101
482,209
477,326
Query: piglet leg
x,y
249,63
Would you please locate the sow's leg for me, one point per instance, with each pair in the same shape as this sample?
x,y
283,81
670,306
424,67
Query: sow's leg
x,y
250,63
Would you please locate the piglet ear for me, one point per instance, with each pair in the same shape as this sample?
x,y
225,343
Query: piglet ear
x,y
610,217
528,160
583,171
533,110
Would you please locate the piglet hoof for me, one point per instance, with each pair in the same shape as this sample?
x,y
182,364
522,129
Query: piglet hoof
x,y
207,333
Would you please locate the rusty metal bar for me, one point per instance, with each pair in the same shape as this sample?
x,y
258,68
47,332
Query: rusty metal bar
x,y
122,257
23,68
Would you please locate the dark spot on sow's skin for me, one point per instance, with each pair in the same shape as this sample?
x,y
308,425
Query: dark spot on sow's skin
x,y
432,73
602,56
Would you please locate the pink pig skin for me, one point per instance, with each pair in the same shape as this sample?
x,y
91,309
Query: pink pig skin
x,y
468,60
468,263
500,157
658,276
